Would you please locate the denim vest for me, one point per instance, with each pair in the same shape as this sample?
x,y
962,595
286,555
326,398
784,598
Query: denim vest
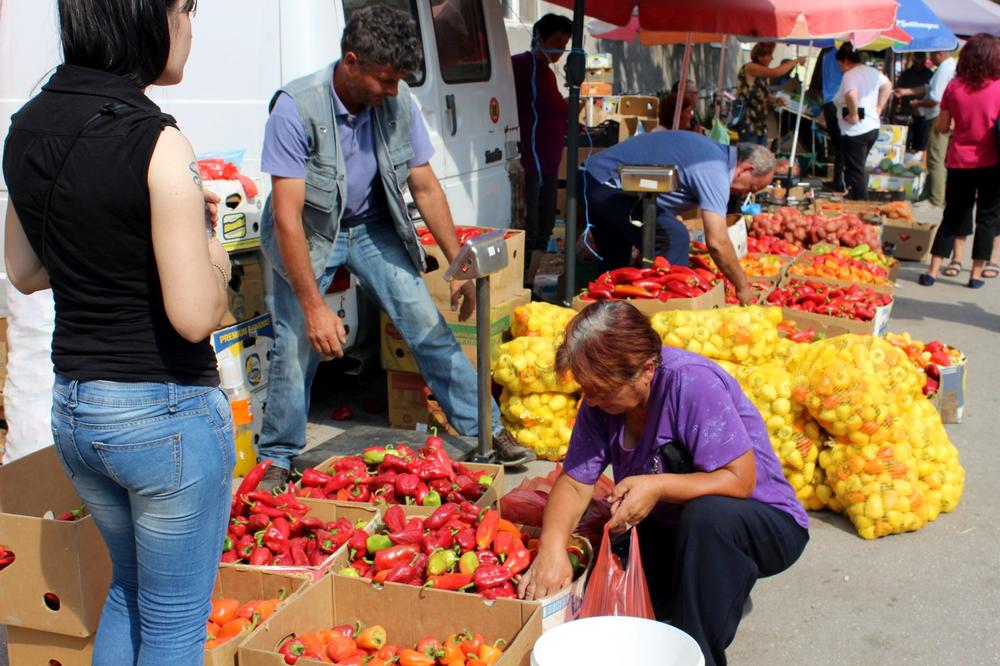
x,y
325,180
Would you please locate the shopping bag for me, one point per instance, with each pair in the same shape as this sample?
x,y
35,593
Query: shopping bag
x,y
719,133
616,590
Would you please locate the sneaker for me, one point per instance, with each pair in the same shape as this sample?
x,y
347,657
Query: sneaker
x,y
509,452
275,477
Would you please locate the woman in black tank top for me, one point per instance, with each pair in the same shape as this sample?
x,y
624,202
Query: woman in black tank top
x,y
106,209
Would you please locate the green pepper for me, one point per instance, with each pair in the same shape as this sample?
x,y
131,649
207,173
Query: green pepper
x,y
441,561
377,542
432,498
349,571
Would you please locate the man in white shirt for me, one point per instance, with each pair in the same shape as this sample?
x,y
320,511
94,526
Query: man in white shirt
x,y
927,105
864,93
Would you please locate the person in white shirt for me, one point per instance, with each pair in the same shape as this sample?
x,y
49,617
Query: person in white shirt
x,y
864,92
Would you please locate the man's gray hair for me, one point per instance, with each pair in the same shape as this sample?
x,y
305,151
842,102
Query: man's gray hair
x,y
382,35
757,156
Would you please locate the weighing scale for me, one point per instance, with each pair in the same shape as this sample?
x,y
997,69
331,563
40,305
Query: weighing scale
x,y
648,181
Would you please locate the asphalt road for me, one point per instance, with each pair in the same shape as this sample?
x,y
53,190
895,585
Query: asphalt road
x,y
930,597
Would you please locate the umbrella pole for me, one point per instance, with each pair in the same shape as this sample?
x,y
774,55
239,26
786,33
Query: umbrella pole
x,y
689,40
575,68
718,84
798,121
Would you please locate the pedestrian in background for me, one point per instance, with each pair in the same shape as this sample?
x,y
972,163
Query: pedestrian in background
x,y
753,91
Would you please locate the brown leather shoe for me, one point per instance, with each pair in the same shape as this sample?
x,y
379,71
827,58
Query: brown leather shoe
x,y
275,477
509,452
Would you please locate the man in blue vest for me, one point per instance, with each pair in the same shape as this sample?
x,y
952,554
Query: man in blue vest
x,y
341,145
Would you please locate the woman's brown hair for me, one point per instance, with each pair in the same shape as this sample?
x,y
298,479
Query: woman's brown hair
x,y
607,345
761,49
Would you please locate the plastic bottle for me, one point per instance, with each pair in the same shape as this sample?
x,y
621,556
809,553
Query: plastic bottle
x,y
231,376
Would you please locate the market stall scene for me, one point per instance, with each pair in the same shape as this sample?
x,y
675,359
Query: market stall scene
x,y
467,332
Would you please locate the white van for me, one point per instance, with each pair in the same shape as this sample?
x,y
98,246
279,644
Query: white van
x,y
244,51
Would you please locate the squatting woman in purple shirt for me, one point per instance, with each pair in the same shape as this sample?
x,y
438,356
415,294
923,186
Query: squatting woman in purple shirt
x,y
694,469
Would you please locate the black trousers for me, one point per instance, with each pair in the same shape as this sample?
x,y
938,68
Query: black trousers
x,y
919,130
701,570
540,210
855,150
833,129
967,189
611,212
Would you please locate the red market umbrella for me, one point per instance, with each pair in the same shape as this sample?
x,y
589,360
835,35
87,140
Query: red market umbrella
x,y
761,19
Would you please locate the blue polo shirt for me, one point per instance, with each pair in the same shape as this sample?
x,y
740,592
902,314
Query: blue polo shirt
x,y
286,152
706,167
831,76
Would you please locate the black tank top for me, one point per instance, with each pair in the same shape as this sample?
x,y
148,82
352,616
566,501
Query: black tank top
x,y
78,153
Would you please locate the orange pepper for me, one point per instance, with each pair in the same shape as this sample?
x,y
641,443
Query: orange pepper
x,y
233,628
339,648
211,629
223,610
372,638
490,654
504,525
266,608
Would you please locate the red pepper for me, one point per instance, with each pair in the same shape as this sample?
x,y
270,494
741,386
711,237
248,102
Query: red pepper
x,y
228,557
518,560
410,535
600,290
502,591
256,522
681,288
661,263
503,544
260,556
487,558
442,515
631,291
264,498
390,557
421,493
299,557
245,546
406,484
360,493
487,529
276,535
626,275
316,557
238,527
650,284
313,477
75,514
487,576
249,483
452,581
293,649
466,539
802,336
338,481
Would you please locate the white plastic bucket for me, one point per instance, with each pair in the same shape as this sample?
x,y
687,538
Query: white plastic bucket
x,y
597,641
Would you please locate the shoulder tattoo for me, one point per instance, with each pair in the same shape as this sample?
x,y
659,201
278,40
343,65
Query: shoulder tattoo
x,y
195,174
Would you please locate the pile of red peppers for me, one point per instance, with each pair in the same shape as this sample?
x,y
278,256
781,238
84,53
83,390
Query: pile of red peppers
x,y
853,302
464,233
396,474
274,530
661,281
458,547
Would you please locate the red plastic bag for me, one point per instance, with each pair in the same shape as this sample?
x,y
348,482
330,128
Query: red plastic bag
x,y
613,590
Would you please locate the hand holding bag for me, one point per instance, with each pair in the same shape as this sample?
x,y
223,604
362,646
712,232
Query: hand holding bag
x,y
614,590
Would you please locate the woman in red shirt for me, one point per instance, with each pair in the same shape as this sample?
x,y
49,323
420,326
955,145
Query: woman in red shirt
x,y
970,111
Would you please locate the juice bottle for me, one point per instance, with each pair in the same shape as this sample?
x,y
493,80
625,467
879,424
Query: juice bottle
x,y
231,376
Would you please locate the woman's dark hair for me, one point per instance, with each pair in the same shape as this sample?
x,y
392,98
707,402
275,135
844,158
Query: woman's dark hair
x,y
607,345
383,36
667,105
129,38
760,50
550,24
979,61
847,53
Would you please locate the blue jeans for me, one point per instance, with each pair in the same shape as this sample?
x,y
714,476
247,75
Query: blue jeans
x,y
376,255
153,463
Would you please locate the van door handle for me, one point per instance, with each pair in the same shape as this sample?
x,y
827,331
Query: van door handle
x,y
449,103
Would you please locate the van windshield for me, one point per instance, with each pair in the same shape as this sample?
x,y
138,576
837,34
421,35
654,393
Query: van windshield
x,y
415,78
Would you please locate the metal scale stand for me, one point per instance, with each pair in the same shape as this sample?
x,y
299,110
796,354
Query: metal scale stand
x,y
648,181
477,260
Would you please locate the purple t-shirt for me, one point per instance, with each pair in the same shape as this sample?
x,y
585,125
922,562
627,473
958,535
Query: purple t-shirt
x,y
699,406
550,133
286,151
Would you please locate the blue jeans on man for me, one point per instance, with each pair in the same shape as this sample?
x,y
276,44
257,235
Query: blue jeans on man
x,y
153,462
375,254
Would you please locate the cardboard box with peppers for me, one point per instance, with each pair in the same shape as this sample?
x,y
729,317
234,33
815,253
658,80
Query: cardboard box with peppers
x,y
661,286
268,530
398,474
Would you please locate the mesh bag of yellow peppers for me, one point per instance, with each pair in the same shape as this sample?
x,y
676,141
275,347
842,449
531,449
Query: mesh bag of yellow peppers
x,y
847,416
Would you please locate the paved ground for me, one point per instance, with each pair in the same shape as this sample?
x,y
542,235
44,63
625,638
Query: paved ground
x,y
931,597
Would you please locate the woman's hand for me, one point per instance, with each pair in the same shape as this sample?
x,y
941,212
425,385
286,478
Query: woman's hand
x,y
852,119
550,572
632,500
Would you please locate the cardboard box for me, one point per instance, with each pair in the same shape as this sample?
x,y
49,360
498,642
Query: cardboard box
x,y
910,185
832,326
600,75
950,398
65,559
628,126
30,647
411,405
253,341
643,106
880,288
238,226
870,209
489,498
246,301
408,613
892,134
326,511
908,240
713,298
885,151
247,586
737,228
595,89
564,605
505,284
396,355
